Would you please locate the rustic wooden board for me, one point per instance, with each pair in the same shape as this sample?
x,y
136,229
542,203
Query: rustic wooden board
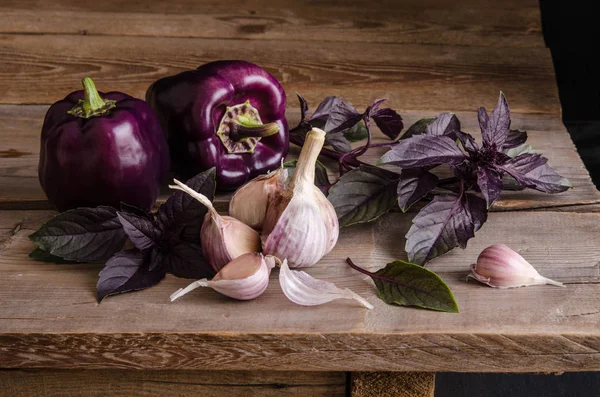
x,y
50,319
392,384
130,383
512,23
19,152
428,77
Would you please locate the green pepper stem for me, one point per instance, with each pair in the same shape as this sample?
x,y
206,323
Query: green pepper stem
x,y
92,101
241,129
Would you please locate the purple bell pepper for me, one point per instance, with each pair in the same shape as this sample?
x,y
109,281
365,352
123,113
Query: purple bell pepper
x,y
102,149
226,114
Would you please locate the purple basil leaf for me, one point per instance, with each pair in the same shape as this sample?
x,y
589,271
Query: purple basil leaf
x,y
142,232
181,215
530,170
182,259
446,222
82,234
127,271
443,124
132,209
389,122
515,138
467,140
490,184
338,141
40,255
374,108
342,117
483,118
418,128
423,151
363,194
414,184
324,108
303,107
498,125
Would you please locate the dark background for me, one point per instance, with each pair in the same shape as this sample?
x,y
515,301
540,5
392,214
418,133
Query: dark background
x,y
572,33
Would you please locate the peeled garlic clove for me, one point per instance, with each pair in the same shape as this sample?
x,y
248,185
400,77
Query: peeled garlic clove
x,y
500,267
303,289
249,202
301,224
244,278
223,238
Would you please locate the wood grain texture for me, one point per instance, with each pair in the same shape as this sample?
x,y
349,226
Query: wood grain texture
x,y
49,317
130,383
19,153
428,77
487,23
392,384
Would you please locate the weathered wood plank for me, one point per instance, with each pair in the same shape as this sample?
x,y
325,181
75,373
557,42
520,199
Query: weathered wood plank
x,y
19,152
429,77
486,23
49,317
392,384
126,383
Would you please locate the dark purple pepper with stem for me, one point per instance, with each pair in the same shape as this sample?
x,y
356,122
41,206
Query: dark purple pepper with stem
x,y
226,114
102,149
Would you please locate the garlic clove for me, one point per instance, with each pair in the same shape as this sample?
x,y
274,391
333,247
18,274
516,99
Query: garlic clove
x,y
301,224
249,202
501,267
244,278
223,238
303,289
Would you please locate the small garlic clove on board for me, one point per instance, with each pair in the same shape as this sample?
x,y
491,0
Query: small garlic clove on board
x,y
223,238
249,202
244,278
301,224
501,267
303,289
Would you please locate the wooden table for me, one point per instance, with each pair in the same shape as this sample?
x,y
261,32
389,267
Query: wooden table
x,y
426,56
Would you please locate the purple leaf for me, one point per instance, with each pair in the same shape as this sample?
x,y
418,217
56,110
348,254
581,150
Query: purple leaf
x,y
443,124
82,234
325,107
363,194
181,215
132,209
127,271
530,170
490,184
374,107
423,151
303,107
342,117
389,122
446,222
467,140
515,138
338,141
141,231
483,119
498,125
182,259
414,184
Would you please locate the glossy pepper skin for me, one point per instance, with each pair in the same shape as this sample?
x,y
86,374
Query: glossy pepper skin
x,y
113,150
191,107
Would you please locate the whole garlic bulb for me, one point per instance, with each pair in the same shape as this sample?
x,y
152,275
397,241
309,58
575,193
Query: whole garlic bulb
x,y
223,238
244,278
301,225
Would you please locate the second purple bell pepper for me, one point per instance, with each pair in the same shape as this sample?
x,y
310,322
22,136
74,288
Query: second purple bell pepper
x,y
225,114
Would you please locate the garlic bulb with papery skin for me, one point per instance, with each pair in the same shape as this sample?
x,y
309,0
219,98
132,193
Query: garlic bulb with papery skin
x,y
249,202
301,224
223,238
303,289
500,267
244,278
